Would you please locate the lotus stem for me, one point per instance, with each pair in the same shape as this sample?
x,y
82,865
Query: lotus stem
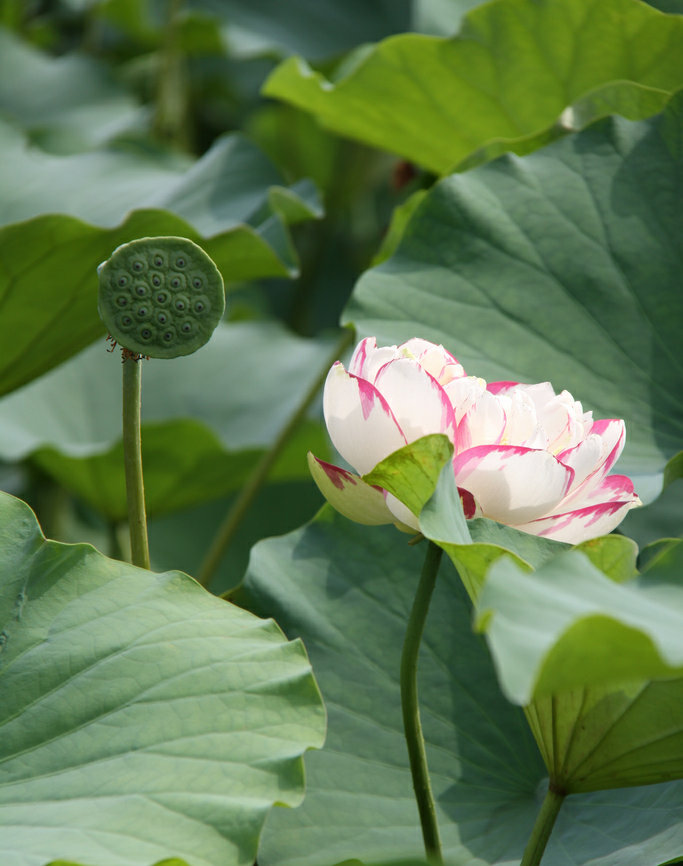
x,y
411,712
543,827
132,459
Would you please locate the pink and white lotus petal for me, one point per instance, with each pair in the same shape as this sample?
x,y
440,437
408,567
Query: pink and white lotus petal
x,y
612,488
522,427
512,484
463,392
485,421
592,459
435,359
419,404
581,524
361,425
349,494
501,387
367,359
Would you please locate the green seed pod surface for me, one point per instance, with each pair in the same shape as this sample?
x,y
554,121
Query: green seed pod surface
x,y
161,297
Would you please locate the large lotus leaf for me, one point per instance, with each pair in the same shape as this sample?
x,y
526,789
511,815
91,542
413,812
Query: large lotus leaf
x,y
567,625
495,87
347,589
562,265
48,282
72,101
206,417
141,717
602,662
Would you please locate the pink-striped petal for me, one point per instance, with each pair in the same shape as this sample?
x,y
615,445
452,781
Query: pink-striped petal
x,y
359,420
419,404
522,427
612,432
512,484
367,360
501,387
360,356
582,523
592,459
349,494
463,392
612,488
483,424
435,359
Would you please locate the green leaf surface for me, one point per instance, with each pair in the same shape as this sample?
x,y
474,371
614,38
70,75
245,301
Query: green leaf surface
x,y
229,202
544,627
562,266
411,473
162,722
496,86
69,421
347,589
66,103
599,662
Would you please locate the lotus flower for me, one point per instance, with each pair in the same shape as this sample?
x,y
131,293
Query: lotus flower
x,y
523,455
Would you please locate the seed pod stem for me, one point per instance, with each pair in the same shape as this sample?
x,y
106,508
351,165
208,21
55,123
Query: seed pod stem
x,y
132,458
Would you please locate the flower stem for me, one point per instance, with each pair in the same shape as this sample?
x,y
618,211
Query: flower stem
x,y
545,821
246,496
132,460
411,713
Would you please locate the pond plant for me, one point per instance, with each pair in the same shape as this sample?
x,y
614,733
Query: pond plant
x,y
469,650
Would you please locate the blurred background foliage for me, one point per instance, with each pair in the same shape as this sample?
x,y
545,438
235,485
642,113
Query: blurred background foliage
x,y
149,88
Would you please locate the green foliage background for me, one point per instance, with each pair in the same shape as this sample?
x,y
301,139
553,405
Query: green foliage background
x,y
501,177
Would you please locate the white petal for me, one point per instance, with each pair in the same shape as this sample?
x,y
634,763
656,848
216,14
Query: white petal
x,y
360,423
512,484
592,459
419,404
435,359
583,523
367,360
463,392
349,494
483,424
522,427
401,514
584,458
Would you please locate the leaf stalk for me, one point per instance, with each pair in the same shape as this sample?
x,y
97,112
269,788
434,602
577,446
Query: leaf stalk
x,y
132,459
543,826
409,704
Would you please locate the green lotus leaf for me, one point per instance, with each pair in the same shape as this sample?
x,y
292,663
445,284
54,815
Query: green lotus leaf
x,y
142,718
494,87
599,665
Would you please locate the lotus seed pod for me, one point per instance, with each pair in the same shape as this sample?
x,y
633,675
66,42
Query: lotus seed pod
x,y
161,297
